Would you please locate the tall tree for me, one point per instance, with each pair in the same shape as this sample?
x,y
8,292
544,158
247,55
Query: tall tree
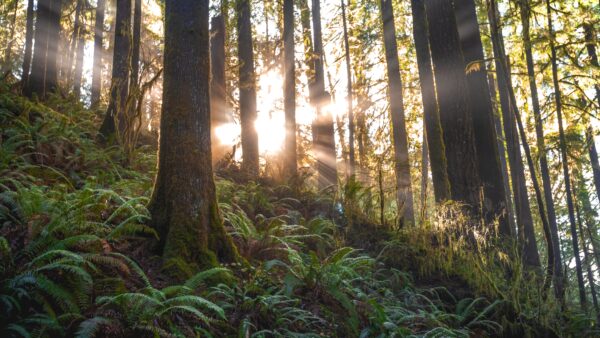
x,y
511,116
247,78
404,198
6,64
592,151
482,115
78,75
184,205
453,101
511,112
325,134
28,43
565,159
539,126
219,114
349,98
72,51
135,48
44,78
587,258
289,89
431,115
119,88
98,53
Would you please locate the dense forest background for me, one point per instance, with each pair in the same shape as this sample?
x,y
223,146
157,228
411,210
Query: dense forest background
x,y
266,168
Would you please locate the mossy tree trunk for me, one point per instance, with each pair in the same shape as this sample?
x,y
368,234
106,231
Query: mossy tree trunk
x,y
289,89
119,88
247,80
482,115
453,101
435,137
98,53
404,198
184,206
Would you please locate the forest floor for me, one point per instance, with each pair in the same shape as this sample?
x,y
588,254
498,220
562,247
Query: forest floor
x,y
77,259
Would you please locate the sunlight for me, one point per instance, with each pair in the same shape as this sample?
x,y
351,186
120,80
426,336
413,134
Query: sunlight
x,y
227,133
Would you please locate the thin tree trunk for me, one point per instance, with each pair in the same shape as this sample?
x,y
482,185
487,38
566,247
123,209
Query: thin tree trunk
x,y
351,151
591,49
424,174
565,160
587,258
453,101
539,127
325,139
72,52
135,52
247,78
184,206
6,66
590,221
98,53
502,154
289,89
404,198
219,114
593,153
431,116
526,232
119,89
482,115
78,75
28,44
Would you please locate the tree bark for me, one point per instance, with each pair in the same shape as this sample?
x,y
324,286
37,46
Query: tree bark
x,y
119,88
488,162
28,44
351,149
404,198
289,89
98,53
453,100
247,78
565,160
435,137
325,139
184,206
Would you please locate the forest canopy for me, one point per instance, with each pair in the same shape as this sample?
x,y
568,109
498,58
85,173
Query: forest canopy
x,y
276,168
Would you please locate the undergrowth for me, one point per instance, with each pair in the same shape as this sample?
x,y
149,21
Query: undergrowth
x,y
76,254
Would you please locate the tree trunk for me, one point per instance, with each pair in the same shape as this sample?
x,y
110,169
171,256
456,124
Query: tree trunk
x,y
289,89
502,154
510,116
539,127
488,162
98,53
351,150
453,100
590,219
325,139
593,153
184,206
435,137
219,114
28,44
6,65
424,175
135,52
565,160
71,53
590,45
78,75
404,198
247,78
43,78
119,88
588,263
